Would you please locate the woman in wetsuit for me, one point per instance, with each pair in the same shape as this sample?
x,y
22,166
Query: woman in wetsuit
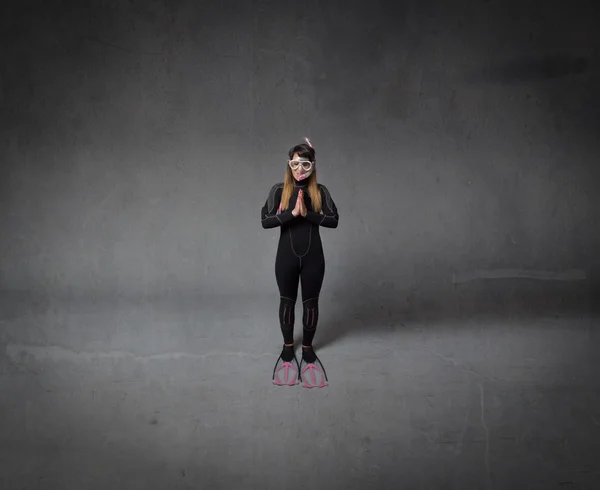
x,y
299,206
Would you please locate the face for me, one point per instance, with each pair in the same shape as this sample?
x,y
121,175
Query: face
x,y
301,167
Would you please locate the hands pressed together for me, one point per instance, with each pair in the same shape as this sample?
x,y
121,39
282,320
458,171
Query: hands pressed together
x,y
300,206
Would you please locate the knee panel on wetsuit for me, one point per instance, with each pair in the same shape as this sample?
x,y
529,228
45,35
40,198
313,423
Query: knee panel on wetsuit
x,y
310,318
286,319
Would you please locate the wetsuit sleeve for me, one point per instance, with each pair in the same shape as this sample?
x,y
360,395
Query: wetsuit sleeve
x,y
330,216
268,214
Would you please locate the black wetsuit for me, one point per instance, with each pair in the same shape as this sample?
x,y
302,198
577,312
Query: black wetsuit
x,y
299,256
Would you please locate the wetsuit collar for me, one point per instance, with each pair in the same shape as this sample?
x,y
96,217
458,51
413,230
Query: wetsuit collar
x,y
300,185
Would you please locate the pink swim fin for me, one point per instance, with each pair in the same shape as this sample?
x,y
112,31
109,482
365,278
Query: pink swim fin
x,y
286,373
312,374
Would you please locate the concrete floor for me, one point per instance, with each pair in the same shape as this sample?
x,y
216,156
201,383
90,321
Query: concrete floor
x,y
176,394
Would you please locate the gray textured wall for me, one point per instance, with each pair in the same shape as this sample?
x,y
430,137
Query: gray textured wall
x,y
139,141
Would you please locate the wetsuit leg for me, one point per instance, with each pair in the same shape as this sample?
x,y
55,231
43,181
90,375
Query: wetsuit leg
x,y
287,273
311,277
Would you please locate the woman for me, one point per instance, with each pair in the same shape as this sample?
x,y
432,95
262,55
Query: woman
x,y
299,206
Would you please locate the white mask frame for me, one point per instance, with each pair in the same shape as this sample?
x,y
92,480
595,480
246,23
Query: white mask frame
x,y
295,164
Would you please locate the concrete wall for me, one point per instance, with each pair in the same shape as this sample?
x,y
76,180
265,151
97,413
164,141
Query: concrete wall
x,y
140,141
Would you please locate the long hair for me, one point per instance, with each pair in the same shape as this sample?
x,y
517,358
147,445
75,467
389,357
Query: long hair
x,y
303,151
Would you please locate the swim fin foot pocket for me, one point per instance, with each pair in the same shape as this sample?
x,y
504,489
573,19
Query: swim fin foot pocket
x,y
312,372
287,370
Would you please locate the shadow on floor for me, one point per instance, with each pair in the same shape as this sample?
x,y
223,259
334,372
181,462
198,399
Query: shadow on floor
x,y
504,300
